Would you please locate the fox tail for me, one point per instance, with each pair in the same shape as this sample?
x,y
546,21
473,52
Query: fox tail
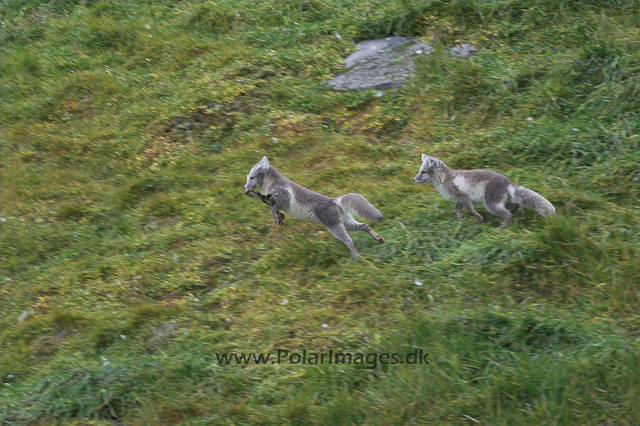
x,y
532,200
356,204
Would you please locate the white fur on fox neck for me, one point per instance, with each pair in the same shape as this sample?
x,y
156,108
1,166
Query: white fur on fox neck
x,y
267,182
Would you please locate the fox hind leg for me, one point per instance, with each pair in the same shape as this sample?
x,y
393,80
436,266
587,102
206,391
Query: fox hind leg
x,y
330,217
353,225
512,207
341,233
500,210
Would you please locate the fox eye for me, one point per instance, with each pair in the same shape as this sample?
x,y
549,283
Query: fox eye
x,y
253,177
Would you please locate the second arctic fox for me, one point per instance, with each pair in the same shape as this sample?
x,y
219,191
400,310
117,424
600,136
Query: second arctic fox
x,y
498,194
334,213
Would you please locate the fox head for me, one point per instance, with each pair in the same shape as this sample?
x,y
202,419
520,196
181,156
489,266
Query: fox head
x,y
256,175
427,169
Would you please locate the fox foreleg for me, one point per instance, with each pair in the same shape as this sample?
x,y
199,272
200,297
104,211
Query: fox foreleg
x,y
468,205
277,199
270,200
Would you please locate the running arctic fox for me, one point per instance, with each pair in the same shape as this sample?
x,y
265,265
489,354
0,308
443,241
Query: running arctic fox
x,y
498,194
334,213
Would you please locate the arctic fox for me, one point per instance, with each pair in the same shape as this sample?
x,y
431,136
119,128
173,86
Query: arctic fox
x,y
334,213
498,194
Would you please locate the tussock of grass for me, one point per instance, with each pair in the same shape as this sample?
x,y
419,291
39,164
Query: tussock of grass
x,y
131,255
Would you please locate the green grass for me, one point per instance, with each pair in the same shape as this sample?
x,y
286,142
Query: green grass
x,y
128,130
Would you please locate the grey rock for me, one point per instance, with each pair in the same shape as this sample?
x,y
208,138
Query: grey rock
x,y
380,64
464,50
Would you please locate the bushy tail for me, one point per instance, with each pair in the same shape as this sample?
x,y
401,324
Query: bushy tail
x,y
356,204
532,200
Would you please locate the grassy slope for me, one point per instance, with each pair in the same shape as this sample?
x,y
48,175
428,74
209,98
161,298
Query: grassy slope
x,y
119,222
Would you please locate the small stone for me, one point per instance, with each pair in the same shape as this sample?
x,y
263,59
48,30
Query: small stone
x,y
175,258
464,50
325,326
529,119
123,337
417,282
147,26
379,94
336,35
23,316
575,130
228,320
275,140
284,302
147,59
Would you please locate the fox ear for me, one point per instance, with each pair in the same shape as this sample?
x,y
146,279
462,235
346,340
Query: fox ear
x,y
425,157
264,163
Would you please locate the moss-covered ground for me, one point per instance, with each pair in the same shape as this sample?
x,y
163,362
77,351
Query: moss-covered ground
x,y
131,257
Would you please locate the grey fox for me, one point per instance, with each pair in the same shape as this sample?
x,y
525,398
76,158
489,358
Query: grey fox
x,y
498,194
334,213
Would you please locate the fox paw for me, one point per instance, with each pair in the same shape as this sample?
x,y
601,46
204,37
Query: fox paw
x,y
479,217
380,239
280,218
